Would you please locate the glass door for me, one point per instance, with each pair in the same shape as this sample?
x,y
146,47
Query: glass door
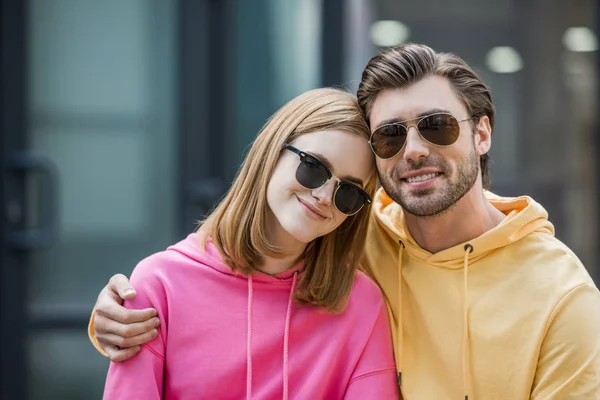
x,y
92,175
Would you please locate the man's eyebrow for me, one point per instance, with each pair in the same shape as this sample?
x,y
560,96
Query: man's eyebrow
x,y
398,120
327,163
433,111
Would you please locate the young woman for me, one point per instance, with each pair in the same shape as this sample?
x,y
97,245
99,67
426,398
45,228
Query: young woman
x,y
265,300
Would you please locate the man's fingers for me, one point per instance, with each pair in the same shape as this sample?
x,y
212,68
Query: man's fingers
x,y
103,324
117,355
123,315
119,284
123,343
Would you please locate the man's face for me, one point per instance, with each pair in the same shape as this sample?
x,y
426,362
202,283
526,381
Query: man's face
x,y
426,179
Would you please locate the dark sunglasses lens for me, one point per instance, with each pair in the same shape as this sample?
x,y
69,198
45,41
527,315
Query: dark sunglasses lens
x,y
349,199
387,141
311,173
440,129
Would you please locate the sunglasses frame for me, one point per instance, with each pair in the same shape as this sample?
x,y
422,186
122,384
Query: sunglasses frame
x,y
330,175
416,125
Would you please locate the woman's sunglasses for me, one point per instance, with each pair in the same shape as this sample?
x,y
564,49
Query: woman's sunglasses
x,y
440,129
312,174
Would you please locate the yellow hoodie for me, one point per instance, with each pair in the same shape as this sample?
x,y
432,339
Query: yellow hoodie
x,y
512,314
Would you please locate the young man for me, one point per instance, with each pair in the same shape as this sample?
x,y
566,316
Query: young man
x,y
484,300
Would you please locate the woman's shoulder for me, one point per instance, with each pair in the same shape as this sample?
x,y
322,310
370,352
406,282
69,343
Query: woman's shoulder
x,y
364,290
153,271
164,266
162,279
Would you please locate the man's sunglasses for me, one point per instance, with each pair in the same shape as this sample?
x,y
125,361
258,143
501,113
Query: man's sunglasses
x,y
440,129
312,174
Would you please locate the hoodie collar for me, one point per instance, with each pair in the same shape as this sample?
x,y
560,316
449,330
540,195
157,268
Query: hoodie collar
x,y
210,256
523,216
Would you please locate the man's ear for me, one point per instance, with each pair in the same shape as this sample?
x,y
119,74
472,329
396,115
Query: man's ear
x,y
483,135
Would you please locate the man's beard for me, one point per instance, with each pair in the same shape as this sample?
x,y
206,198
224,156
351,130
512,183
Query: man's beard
x,y
426,202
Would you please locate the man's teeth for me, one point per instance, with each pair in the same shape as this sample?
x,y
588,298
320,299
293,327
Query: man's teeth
x,y
422,178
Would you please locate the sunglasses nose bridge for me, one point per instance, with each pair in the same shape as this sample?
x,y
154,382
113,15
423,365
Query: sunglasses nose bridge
x,y
411,126
410,131
325,193
415,146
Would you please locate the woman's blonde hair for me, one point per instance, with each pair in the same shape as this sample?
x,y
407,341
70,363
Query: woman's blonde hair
x,y
238,225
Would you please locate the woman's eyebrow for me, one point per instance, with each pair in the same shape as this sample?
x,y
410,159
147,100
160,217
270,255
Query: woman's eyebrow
x,y
327,163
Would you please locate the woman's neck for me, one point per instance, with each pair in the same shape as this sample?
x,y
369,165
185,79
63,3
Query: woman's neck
x,y
275,266
291,248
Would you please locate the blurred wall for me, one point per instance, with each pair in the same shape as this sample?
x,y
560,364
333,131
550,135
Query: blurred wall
x,y
146,108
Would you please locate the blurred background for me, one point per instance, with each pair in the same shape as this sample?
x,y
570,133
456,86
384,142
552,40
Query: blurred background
x,y
123,121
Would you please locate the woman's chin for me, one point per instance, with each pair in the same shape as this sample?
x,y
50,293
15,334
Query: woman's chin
x,y
301,234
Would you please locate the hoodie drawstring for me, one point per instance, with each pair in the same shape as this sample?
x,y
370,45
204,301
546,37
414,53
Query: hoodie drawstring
x,y
249,343
466,351
466,362
286,337
400,350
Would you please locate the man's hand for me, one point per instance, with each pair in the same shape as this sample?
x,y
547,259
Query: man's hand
x,y
120,331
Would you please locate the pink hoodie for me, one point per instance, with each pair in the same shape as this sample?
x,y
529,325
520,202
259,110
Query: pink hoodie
x,y
225,336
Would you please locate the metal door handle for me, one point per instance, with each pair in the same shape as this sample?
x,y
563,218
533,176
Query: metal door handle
x,y
45,234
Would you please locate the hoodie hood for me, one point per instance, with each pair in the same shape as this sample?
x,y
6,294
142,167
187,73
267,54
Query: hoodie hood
x,y
209,255
451,310
523,217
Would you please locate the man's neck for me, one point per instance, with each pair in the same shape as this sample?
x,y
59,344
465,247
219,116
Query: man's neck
x,y
470,217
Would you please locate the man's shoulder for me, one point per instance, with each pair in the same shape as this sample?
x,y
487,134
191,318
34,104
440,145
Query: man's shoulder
x,y
548,247
550,263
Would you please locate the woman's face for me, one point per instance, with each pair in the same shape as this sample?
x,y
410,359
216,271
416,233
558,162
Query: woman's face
x,y
300,214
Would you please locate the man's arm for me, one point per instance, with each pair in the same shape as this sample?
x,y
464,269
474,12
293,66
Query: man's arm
x,y
143,376
569,361
118,332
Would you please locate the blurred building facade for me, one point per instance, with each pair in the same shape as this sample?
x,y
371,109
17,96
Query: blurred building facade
x,y
122,122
